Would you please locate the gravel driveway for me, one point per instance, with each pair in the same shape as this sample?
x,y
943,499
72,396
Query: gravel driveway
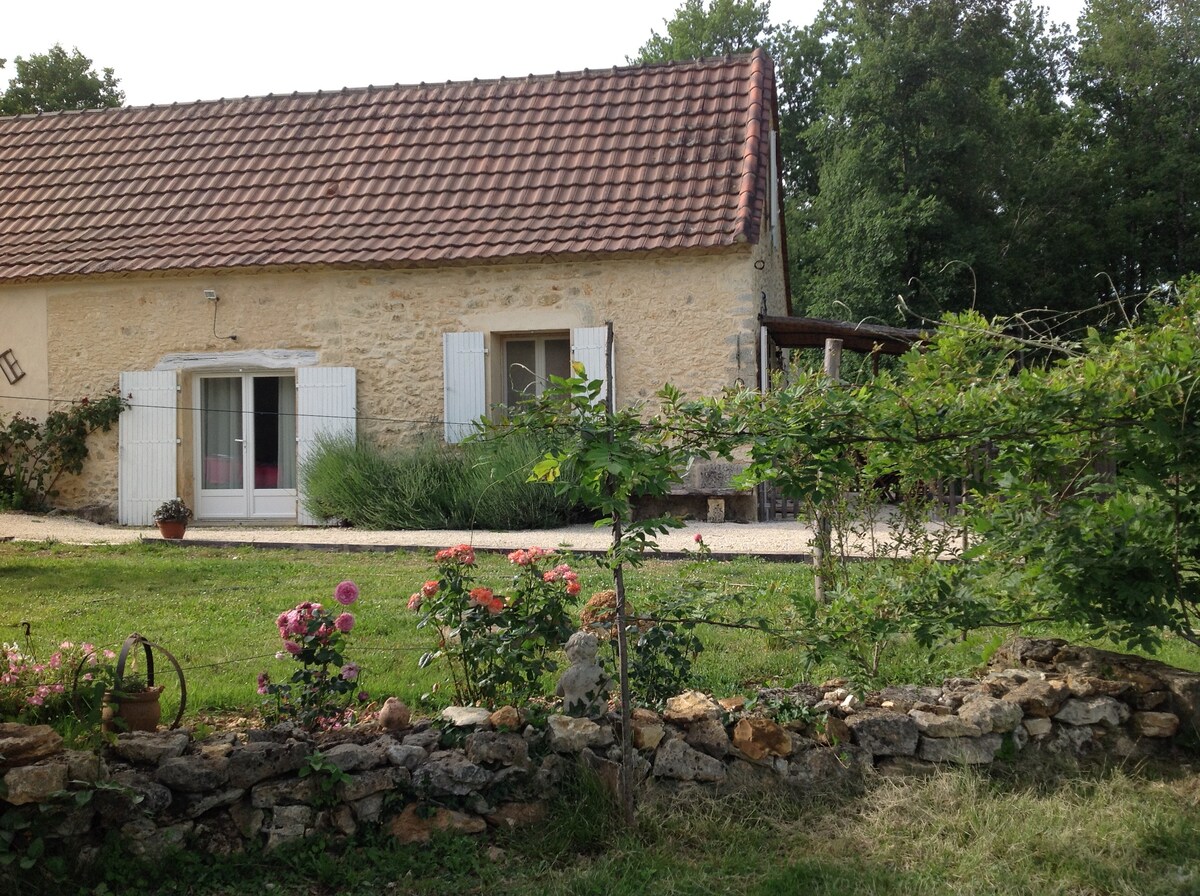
x,y
788,539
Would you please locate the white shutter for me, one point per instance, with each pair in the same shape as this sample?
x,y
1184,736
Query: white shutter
x,y
326,399
147,440
464,393
589,345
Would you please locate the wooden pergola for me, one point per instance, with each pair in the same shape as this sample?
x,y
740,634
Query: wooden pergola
x,y
866,339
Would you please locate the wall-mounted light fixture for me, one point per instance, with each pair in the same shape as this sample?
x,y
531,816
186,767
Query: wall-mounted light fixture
x,y
211,295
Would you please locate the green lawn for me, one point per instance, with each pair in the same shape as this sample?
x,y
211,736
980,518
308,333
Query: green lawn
x,y
214,610
1014,829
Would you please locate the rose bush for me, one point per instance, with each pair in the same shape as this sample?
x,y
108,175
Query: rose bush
x,y
497,647
36,692
319,694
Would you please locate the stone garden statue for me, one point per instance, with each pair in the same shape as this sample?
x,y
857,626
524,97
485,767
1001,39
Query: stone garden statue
x,y
584,686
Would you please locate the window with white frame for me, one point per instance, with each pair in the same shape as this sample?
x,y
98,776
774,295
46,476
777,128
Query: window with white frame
x,y
525,362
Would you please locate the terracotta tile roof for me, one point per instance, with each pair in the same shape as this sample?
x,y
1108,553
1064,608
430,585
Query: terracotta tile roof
x,y
630,159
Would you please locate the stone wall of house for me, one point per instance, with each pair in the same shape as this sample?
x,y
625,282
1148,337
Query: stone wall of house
x,y
689,318
473,769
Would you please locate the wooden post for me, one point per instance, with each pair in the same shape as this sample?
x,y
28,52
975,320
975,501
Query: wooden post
x,y
823,534
628,809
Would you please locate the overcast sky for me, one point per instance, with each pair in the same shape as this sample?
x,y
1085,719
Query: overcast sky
x,y
165,51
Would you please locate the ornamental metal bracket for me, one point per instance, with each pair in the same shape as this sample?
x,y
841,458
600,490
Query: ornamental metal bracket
x,y
12,369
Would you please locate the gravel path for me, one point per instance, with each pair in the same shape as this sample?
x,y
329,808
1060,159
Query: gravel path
x,y
788,539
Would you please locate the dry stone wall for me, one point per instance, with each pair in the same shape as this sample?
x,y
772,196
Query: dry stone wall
x,y
473,769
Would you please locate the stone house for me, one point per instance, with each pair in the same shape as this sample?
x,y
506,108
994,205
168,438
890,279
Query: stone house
x,y
386,261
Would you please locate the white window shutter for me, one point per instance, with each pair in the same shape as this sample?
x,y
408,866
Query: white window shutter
x,y
589,346
326,406
147,440
464,392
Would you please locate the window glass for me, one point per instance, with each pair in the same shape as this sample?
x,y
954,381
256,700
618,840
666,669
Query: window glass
x,y
558,357
530,360
221,432
521,364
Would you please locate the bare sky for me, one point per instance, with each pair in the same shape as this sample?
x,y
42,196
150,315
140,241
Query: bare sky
x,y
166,52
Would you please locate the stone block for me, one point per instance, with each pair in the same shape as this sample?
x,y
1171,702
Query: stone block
x,y
990,714
447,773
757,738
708,736
691,706
716,510
1155,724
259,761
884,733
932,724
676,760
34,783
193,773
417,823
1041,698
1093,711
961,750
27,744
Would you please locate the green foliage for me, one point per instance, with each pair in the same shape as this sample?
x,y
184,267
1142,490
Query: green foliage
x,y
327,774
1135,126
430,485
31,852
924,133
497,648
56,81
1082,467
878,615
606,459
723,27
34,454
665,640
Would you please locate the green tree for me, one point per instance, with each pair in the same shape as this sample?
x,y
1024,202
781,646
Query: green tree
x,y
57,81
724,26
1136,129
924,149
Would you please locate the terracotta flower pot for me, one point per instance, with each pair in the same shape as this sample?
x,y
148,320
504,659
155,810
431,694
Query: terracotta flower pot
x,y
172,529
139,711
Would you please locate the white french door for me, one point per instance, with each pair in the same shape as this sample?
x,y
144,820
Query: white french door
x,y
245,446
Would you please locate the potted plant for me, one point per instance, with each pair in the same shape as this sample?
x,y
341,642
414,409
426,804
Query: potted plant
x,y
131,704
172,518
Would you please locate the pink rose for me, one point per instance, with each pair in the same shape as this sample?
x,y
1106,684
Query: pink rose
x,y
346,593
430,588
292,647
350,672
414,602
264,681
344,623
